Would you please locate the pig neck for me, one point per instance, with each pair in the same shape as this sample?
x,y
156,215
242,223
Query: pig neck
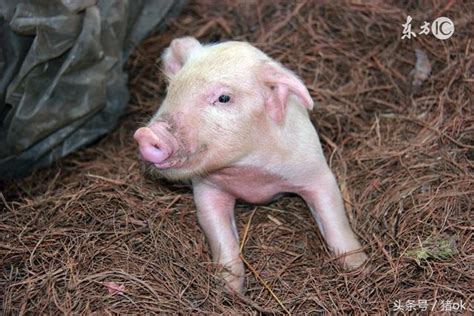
x,y
281,158
288,150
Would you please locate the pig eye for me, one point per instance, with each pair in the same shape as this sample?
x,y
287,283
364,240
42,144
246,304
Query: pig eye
x,y
224,98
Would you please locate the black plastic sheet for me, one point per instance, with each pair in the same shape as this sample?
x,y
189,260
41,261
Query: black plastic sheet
x,y
62,78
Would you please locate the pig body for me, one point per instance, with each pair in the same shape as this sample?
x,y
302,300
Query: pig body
x,y
235,123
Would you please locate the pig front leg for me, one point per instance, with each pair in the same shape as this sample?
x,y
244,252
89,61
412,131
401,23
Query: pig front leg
x,y
324,199
215,210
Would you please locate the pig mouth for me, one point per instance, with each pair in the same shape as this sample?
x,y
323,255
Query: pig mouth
x,y
171,163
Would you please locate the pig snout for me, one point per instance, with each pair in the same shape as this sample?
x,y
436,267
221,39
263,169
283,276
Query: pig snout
x,y
156,144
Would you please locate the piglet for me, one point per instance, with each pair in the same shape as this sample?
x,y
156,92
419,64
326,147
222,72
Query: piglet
x,y
235,123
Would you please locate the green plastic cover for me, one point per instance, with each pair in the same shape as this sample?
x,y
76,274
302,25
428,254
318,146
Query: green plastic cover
x,y
62,78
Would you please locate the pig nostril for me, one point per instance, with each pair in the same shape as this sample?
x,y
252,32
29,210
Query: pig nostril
x,y
156,147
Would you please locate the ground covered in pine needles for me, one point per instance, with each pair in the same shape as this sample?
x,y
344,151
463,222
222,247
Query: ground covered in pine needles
x,y
93,233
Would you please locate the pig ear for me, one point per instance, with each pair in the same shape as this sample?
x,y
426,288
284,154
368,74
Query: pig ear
x,y
176,55
281,84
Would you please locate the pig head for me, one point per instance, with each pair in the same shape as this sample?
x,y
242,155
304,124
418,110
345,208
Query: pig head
x,y
235,123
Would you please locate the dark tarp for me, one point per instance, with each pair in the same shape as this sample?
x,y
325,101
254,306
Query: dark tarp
x,y
62,82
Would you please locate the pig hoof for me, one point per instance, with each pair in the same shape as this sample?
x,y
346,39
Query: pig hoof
x,y
235,286
234,280
354,260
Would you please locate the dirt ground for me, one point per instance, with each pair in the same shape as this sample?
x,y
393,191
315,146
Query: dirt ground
x,y
402,152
